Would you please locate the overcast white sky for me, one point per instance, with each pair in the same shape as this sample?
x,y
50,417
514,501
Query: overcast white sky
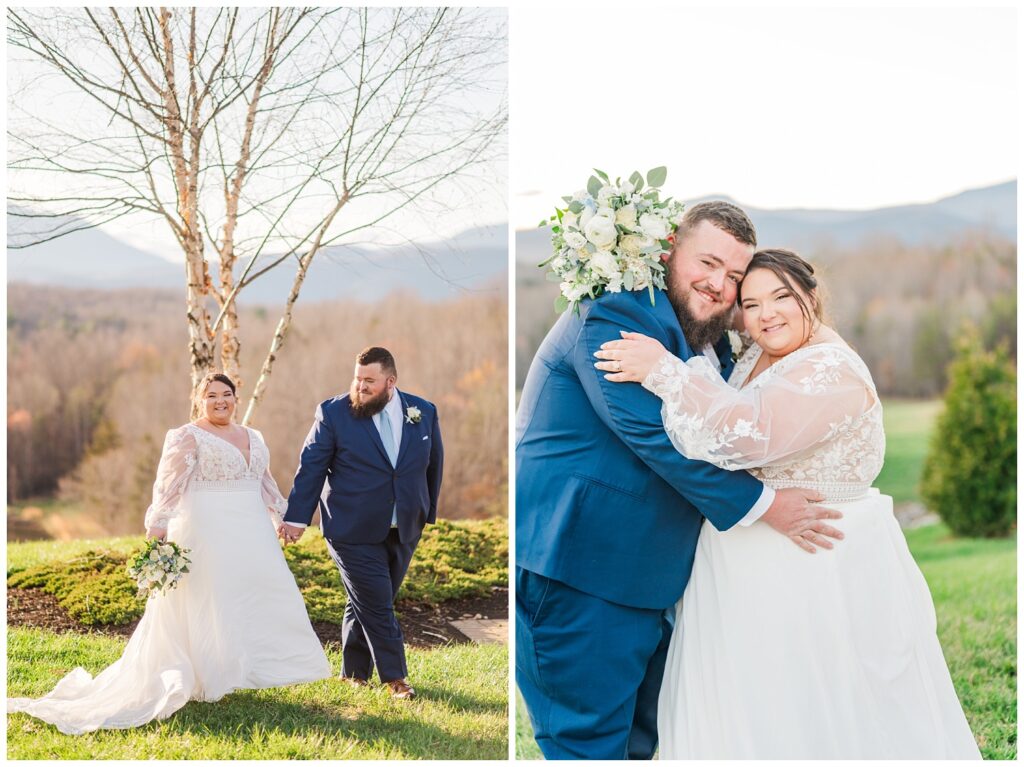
x,y
823,108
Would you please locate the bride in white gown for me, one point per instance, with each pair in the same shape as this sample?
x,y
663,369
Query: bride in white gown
x,y
777,654
235,621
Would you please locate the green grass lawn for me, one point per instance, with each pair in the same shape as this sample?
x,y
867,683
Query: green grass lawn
x,y
908,427
461,712
974,586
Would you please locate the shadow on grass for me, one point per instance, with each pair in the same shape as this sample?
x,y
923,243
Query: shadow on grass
x,y
344,730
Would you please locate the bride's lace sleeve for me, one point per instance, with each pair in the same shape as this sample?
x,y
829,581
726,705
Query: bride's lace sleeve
x,y
177,464
276,503
807,402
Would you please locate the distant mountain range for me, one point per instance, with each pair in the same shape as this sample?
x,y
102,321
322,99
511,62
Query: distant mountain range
x,y
817,232
476,259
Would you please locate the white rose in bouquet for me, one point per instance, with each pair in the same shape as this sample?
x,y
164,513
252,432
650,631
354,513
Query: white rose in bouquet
x,y
606,194
600,230
626,216
654,226
605,264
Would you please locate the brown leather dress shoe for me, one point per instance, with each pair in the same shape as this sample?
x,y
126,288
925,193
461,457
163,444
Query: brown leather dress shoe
x,y
401,689
354,681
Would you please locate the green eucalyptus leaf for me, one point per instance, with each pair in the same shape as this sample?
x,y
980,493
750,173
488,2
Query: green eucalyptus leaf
x,y
656,176
593,186
636,180
603,175
627,279
561,304
576,207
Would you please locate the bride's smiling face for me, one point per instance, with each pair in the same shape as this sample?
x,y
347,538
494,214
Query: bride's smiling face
x,y
772,313
218,403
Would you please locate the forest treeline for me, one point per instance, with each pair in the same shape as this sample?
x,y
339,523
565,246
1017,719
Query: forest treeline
x,y
95,379
901,307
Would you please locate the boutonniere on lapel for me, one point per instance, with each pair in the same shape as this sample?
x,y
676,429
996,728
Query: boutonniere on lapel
x,y
413,414
736,344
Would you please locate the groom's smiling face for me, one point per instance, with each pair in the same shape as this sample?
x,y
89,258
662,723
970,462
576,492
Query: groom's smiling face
x,y
371,389
704,273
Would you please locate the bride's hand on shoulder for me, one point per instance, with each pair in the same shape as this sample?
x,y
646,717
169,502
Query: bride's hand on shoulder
x,y
629,359
160,533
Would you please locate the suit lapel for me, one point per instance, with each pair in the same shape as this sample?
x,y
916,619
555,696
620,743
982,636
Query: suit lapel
x,y
406,430
371,428
724,351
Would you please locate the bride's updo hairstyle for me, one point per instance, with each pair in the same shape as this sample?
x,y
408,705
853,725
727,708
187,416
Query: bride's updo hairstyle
x,y
796,274
200,392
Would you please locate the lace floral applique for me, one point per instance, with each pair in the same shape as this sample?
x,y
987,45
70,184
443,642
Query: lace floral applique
x,y
811,420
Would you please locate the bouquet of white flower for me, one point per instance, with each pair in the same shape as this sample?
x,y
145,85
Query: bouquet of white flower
x,y
158,567
611,237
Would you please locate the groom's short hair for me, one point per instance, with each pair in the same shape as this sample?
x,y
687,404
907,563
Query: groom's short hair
x,y
372,354
724,215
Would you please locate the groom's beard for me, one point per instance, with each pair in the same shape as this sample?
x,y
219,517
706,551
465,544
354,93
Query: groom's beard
x,y
699,333
366,407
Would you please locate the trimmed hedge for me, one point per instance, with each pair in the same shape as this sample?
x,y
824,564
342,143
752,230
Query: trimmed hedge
x,y
453,560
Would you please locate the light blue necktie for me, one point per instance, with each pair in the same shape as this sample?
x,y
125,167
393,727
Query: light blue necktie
x,y
387,436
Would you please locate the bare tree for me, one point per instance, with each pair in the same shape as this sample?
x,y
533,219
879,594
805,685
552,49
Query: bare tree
x,y
260,136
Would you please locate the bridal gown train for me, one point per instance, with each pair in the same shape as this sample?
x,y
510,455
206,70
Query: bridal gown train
x,y
235,621
777,653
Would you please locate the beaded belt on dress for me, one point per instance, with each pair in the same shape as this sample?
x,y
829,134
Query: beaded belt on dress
x,y
225,485
834,492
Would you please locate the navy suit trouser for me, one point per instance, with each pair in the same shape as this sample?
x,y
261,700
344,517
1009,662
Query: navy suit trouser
x,y
370,635
589,670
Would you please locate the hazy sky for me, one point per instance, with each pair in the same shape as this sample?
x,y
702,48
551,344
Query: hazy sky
x,y
473,200
824,108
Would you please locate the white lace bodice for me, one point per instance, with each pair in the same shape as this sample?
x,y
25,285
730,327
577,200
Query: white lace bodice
x,y
811,420
192,454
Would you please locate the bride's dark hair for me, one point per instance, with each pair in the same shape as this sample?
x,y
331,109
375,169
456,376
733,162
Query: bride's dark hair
x,y
790,269
209,378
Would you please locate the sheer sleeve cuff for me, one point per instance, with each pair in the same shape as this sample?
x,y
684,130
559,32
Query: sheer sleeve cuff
x,y
667,376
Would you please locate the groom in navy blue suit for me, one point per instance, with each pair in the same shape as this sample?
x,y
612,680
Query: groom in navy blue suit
x,y
379,450
608,513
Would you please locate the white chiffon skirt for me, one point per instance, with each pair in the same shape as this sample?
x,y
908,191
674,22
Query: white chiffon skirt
x,y
235,621
781,654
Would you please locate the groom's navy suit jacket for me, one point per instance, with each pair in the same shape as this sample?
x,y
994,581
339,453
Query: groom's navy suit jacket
x,y
362,486
604,503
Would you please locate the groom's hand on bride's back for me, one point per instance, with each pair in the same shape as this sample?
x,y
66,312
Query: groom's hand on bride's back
x,y
795,515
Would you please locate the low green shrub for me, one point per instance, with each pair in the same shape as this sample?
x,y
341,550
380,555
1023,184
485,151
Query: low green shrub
x,y
94,588
970,474
453,560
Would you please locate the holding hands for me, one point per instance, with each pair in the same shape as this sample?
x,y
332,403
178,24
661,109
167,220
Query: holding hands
x,y
629,359
290,533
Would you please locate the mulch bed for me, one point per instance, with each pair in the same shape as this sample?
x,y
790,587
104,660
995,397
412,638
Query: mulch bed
x,y
423,625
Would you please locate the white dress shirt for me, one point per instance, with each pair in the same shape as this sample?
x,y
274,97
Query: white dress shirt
x,y
767,494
